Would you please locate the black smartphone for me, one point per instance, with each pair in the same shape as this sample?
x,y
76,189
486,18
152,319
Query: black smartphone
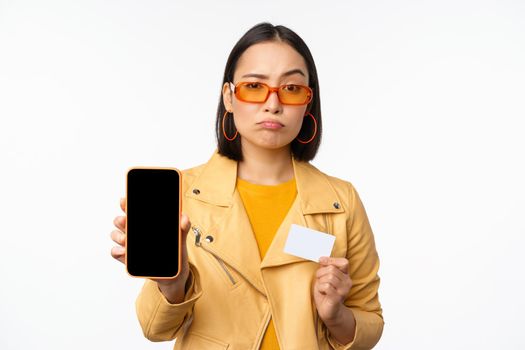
x,y
153,234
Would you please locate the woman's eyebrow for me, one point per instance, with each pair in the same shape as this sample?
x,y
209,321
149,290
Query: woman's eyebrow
x,y
262,76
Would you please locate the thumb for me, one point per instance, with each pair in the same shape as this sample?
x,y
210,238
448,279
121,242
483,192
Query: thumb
x,y
185,225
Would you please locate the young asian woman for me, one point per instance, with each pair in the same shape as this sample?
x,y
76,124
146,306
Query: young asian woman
x,y
238,289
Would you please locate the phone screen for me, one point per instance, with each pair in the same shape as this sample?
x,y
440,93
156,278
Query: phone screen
x,y
153,228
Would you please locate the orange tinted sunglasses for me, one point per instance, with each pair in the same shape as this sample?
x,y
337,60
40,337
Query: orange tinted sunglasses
x,y
256,92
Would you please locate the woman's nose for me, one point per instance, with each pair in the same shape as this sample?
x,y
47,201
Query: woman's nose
x,y
273,104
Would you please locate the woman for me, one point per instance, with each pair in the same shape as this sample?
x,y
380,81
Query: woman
x,y
238,289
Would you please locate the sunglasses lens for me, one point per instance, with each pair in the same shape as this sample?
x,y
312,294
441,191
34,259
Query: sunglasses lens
x,y
251,92
294,94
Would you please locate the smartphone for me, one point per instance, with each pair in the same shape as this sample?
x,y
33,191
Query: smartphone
x,y
153,210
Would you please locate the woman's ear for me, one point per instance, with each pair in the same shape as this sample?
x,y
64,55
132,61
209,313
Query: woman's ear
x,y
308,108
227,96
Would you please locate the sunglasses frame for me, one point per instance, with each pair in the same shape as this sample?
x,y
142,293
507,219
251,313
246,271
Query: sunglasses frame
x,y
234,89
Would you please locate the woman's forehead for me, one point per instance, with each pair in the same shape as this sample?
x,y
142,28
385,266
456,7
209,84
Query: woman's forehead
x,y
271,60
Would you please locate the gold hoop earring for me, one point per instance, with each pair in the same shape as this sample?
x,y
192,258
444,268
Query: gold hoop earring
x,y
224,130
315,130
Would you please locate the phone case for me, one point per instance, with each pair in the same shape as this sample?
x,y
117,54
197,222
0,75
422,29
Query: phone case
x,y
180,212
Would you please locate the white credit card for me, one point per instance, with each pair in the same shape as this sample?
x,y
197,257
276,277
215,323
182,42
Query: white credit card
x,y
307,243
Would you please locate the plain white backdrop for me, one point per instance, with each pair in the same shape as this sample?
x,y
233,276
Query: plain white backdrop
x,y
423,111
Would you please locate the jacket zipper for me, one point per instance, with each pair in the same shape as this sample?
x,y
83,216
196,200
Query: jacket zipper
x,y
224,268
198,243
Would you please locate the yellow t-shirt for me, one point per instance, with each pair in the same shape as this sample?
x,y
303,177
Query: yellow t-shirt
x,y
267,206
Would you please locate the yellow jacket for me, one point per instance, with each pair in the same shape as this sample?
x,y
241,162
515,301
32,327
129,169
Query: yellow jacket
x,y
233,293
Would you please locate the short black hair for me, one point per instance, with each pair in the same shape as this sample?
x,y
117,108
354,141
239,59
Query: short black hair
x,y
260,33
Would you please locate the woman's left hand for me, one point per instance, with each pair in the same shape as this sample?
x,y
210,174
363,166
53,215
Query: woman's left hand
x,y
331,287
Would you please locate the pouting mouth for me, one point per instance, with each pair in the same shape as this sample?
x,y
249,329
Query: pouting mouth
x,y
270,123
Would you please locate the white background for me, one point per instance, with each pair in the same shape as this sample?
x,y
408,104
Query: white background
x,y
423,108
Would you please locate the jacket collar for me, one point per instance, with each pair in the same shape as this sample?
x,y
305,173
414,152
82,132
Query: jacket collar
x,y
216,185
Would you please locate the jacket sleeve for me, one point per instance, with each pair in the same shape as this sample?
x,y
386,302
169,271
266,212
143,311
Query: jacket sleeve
x,y
160,320
363,267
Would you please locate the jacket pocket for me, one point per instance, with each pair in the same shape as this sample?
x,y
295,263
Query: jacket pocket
x,y
225,269
217,262
223,272
201,341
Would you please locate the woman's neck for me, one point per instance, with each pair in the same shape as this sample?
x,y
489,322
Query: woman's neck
x,y
266,166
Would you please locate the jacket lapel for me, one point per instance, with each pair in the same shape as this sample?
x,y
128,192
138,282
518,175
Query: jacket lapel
x,y
227,222
315,195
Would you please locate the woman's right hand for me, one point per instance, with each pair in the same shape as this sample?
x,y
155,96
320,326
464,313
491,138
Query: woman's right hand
x,y
173,289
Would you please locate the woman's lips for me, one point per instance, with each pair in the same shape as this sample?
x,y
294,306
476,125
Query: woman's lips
x,y
270,124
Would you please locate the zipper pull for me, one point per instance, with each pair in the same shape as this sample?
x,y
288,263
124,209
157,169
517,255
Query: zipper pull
x,y
197,234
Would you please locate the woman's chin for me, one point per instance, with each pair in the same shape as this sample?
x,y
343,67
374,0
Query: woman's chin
x,y
271,143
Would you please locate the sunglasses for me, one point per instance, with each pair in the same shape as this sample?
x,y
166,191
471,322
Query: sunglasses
x,y
288,94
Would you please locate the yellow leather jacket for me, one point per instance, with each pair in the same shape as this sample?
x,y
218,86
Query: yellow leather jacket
x,y
233,293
